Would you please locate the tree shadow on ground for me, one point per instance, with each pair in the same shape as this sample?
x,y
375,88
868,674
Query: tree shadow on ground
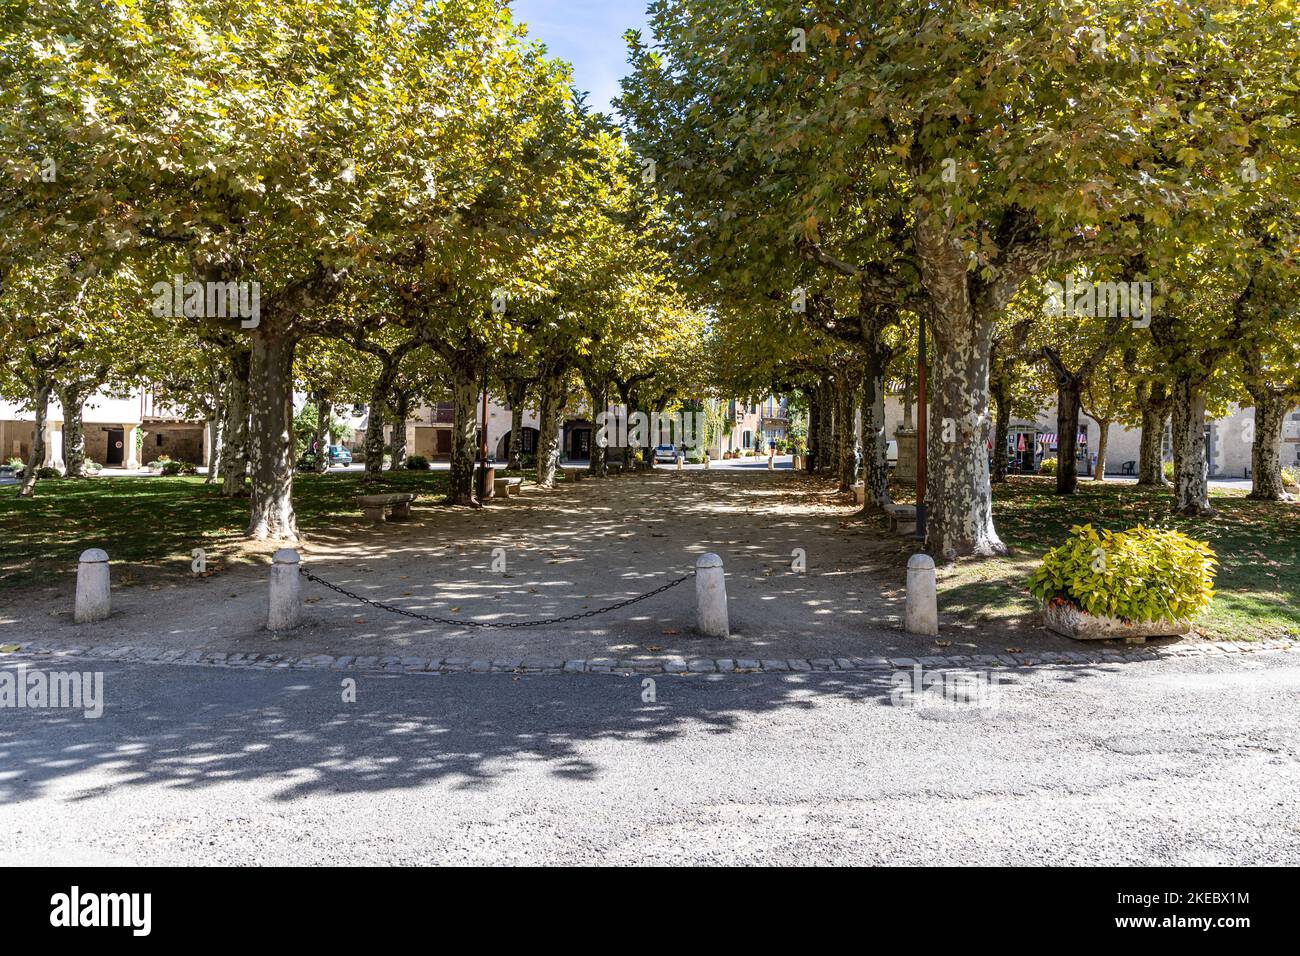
x,y
191,728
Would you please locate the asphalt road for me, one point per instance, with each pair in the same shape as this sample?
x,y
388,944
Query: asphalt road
x,y
1166,762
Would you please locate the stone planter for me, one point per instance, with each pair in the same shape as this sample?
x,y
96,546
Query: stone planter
x,y
796,462
1070,621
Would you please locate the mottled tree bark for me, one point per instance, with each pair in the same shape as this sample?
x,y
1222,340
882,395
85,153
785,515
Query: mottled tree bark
x,y
598,392
73,398
518,392
1153,400
234,449
464,445
41,388
875,443
845,438
1068,389
1103,439
324,411
1191,486
401,405
1266,452
551,413
271,445
215,437
826,449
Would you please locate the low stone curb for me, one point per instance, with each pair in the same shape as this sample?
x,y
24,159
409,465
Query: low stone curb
x,y
609,665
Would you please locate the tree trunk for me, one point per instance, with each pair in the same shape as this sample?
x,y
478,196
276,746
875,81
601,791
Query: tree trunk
x,y
959,496
36,459
1067,434
1000,391
599,395
1266,452
324,412
517,395
73,399
374,443
234,449
271,444
401,412
1103,439
215,437
826,457
1191,488
464,433
1151,465
815,412
548,442
846,464
875,443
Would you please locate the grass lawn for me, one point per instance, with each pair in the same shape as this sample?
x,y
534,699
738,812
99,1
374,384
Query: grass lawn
x,y
1257,544
156,522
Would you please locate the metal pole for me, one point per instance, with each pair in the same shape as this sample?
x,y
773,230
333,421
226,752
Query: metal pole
x,y
922,427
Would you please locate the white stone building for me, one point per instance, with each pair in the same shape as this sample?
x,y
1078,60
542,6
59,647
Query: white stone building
x,y
1228,441
114,423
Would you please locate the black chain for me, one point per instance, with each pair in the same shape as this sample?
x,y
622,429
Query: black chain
x,y
454,623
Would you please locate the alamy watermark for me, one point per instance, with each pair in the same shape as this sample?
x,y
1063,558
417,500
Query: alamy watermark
x,y
639,429
208,300
919,688
21,688
1129,300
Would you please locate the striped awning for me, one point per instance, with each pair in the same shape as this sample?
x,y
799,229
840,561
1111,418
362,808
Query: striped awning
x,y
1046,438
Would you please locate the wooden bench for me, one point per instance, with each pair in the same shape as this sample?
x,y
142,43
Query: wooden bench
x,y
507,487
397,506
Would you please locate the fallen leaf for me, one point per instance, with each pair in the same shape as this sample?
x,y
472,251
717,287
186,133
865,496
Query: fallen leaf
x,y
671,632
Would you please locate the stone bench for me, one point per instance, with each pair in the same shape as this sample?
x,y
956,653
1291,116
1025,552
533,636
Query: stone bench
x,y
902,518
574,474
397,506
507,487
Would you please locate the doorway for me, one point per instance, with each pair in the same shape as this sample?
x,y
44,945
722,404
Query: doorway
x,y
116,446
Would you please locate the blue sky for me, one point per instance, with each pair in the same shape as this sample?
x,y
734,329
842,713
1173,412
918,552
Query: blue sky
x,y
589,34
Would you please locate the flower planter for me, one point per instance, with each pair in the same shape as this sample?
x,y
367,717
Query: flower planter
x,y
1070,621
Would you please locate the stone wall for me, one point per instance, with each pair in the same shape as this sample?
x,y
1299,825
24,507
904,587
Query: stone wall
x,y
179,443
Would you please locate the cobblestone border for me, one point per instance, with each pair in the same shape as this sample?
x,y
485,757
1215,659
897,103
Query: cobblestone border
x,y
630,666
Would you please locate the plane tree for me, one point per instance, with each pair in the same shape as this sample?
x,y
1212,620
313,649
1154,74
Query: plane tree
x,y
1009,141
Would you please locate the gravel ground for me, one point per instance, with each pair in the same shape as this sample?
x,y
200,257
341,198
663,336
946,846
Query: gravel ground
x,y
1165,762
572,549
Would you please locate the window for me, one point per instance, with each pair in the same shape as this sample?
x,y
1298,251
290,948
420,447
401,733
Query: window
x,y
158,439
747,440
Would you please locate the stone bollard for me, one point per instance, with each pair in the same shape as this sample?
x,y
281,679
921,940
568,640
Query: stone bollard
x,y
771,462
94,602
711,596
285,604
680,460
706,462
922,615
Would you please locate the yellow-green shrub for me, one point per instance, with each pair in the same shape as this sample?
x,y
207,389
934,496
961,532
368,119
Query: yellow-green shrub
x,y
1143,574
1047,466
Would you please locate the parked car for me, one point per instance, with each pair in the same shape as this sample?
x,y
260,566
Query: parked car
x,y
338,455
891,454
9,475
665,454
